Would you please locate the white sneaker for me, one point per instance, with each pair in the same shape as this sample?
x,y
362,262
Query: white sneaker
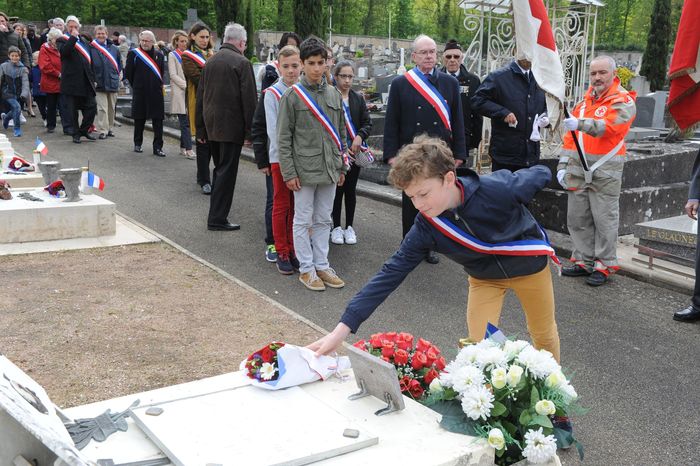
x,y
337,236
350,236
22,119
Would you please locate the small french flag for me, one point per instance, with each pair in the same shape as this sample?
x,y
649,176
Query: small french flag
x,y
95,181
494,333
41,147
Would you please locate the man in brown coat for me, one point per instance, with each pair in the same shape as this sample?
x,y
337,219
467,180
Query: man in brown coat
x,y
226,100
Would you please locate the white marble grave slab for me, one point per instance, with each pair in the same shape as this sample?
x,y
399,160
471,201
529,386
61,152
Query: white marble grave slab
x,y
22,220
23,180
252,427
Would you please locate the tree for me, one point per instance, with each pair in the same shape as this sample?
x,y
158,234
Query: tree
x,y
280,15
308,18
250,29
226,11
404,19
656,54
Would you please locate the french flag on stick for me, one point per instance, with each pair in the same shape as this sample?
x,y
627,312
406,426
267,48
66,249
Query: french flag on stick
x,y
41,147
95,181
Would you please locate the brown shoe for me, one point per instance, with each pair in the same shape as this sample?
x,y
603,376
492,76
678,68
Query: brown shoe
x,y
311,281
330,278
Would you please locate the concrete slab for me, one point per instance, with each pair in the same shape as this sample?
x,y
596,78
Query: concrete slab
x,y
23,220
126,233
23,180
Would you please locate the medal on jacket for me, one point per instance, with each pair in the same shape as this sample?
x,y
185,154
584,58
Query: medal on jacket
x,y
106,53
82,50
150,63
430,93
195,57
319,114
525,247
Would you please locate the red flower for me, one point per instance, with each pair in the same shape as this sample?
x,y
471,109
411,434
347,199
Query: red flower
x,y
423,345
386,359
268,355
388,349
415,389
419,360
431,356
440,363
401,357
391,336
361,345
404,341
429,376
376,340
404,383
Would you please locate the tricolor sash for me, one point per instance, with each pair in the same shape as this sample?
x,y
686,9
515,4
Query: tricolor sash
x,y
150,63
320,115
106,53
195,57
82,50
352,133
178,55
430,93
276,92
526,247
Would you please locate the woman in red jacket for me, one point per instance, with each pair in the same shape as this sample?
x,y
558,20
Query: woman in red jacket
x,y
50,66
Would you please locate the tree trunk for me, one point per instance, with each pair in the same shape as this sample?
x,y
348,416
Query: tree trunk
x,y
280,15
226,11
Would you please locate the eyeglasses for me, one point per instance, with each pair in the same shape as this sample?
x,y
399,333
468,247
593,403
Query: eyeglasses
x,y
346,76
426,52
453,57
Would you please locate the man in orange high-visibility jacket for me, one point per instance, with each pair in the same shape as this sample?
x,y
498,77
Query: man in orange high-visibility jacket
x,y
601,122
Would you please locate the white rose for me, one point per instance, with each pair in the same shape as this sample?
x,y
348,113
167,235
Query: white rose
x,y
514,375
554,379
435,386
498,378
545,408
496,439
568,391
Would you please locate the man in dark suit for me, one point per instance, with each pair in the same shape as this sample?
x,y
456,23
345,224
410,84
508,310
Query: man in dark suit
x,y
77,79
144,70
513,100
423,101
692,312
226,100
452,58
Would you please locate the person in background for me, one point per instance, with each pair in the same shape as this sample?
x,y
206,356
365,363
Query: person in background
x,y
34,39
115,38
21,31
124,48
271,72
360,123
330,63
178,88
39,95
9,38
14,79
50,66
43,38
106,65
199,51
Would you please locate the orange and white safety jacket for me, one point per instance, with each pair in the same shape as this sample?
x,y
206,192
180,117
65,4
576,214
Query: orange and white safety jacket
x,y
603,124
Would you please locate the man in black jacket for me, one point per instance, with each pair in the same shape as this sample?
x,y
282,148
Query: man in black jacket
x,y
78,79
411,112
468,84
514,102
692,312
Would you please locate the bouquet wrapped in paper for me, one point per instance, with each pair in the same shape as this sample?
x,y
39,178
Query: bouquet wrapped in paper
x,y
278,365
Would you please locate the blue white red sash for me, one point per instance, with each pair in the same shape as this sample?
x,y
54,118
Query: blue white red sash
x,y
82,50
320,115
276,92
106,53
526,247
150,63
178,55
352,133
430,93
195,57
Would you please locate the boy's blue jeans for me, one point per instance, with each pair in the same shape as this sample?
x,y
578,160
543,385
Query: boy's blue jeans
x,y
14,113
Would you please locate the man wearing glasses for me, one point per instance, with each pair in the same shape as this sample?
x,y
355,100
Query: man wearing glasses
x,y
423,101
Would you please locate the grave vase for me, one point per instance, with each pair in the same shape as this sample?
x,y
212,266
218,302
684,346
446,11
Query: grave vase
x,y
71,183
49,171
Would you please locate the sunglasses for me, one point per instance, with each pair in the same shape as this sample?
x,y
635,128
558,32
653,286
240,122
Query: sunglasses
x,y
453,57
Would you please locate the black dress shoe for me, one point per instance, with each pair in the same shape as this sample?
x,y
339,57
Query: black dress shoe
x,y
76,139
223,226
689,314
206,189
138,149
597,278
110,134
50,130
90,137
159,153
575,271
432,258
102,136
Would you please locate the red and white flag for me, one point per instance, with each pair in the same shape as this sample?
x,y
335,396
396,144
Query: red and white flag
x,y
534,40
684,95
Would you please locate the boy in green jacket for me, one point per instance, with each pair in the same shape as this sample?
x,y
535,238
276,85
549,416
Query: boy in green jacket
x,y
310,135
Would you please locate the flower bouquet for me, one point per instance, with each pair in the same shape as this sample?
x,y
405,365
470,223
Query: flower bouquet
x,y
511,394
417,367
278,365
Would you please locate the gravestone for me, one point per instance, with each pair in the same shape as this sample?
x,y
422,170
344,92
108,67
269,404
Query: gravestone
x,y
675,235
660,98
383,82
645,112
191,19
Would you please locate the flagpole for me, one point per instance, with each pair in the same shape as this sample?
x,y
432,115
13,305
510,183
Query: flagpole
x,y
581,157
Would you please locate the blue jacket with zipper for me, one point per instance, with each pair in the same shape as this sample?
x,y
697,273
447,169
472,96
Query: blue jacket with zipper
x,y
493,210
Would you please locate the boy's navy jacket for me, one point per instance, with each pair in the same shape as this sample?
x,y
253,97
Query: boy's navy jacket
x,y
494,208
